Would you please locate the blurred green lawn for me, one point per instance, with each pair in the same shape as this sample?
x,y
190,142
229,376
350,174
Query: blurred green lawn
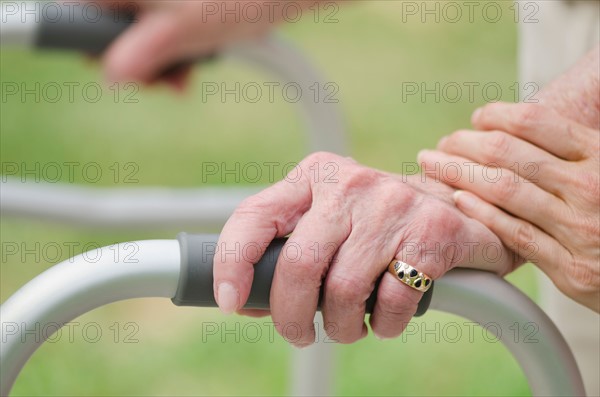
x,y
369,53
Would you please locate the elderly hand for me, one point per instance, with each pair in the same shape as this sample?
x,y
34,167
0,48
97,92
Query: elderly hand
x,y
538,188
170,32
347,222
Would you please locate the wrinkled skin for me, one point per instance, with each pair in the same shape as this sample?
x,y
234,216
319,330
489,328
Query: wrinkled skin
x,y
347,222
549,195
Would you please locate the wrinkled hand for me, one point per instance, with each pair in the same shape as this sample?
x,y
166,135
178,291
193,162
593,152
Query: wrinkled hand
x,y
542,173
167,33
347,222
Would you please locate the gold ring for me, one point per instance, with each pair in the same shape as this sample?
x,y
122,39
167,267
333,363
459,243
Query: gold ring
x,y
409,275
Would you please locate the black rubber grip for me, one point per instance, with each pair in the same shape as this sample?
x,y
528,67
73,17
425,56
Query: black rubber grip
x,y
81,27
196,278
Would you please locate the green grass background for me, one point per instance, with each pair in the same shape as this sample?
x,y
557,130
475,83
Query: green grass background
x,y
369,53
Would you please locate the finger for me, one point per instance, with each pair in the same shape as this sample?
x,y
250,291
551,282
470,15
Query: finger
x,y
395,307
360,262
439,244
349,283
498,186
538,125
397,302
179,78
144,50
506,151
363,256
300,271
522,237
255,223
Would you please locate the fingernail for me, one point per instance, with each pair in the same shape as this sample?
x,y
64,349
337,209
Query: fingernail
x,y
228,298
463,200
475,116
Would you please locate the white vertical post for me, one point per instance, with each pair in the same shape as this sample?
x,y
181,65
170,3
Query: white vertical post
x,y
313,367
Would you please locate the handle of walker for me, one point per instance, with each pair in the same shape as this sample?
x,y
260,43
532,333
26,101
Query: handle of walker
x,y
72,29
176,270
195,287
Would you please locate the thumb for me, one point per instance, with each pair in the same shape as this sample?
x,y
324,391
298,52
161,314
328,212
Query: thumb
x,y
143,51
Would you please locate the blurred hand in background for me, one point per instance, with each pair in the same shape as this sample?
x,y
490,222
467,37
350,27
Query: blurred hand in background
x,y
168,33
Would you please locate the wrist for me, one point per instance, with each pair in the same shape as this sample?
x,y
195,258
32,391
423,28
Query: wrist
x,y
575,94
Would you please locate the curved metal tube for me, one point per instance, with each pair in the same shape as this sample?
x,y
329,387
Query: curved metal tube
x,y
73,287
492,302
76,286
123,207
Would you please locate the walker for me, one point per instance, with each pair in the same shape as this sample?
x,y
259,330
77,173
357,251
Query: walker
x,y
181,269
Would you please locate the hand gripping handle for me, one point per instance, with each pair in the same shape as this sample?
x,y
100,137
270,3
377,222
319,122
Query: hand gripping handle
x,y
91,29
196,277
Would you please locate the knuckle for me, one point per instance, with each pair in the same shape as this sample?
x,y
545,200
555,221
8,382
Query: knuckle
x,y
527,115
448,221
523,234
497,146
260,205
253,204
320,159
320,166
445,222
490,109
454,139
346,291
249,209
396,196
505,188
356,179
427,240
